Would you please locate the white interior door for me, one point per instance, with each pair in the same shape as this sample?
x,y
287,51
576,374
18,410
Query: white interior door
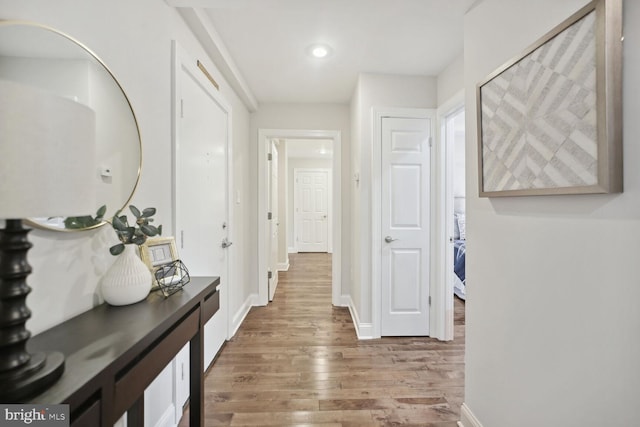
x,y
201,187
274,222
311,210
405,226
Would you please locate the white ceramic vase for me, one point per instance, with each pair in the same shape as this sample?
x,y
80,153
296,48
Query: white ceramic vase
x,y
128,280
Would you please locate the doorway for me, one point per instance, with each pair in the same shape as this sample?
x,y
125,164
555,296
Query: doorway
x,y
451,198
400,135
311,211
265,139
454,140
405,225
201,154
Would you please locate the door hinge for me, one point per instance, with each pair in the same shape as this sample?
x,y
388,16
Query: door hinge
x,y
269,215
269,157
429,300
430,141
269,275
182,108
181,239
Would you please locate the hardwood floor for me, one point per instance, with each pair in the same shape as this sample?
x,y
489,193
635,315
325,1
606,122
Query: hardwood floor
x,y
298,362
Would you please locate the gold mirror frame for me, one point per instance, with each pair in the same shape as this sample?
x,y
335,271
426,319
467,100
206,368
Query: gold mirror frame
x,y
90,56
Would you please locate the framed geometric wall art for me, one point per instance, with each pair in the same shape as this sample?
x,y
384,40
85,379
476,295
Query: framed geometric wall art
x,y
550,120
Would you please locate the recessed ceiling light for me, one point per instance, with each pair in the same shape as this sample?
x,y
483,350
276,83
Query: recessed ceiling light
x,y
319,50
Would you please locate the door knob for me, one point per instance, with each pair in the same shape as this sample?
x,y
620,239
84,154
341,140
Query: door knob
x,y
389,239
226,243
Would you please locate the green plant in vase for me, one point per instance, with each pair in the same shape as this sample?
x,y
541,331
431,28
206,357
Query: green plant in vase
x,y
137,233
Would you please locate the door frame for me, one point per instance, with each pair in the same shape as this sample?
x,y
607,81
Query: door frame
x,y
329,205
378,114
443,295
181,58
273,146
264,136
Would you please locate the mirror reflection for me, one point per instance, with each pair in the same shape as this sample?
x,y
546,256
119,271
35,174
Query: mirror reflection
x,y
47,59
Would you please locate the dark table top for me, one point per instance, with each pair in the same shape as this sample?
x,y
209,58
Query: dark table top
x,y
105,339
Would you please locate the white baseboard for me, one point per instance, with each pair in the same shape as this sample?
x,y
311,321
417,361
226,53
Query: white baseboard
x,y
344,301
363,330
467,419
242,312
167,418
292,250
283,266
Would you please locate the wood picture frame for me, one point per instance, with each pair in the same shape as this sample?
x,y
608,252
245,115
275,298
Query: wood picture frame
x,y
550,119
157,251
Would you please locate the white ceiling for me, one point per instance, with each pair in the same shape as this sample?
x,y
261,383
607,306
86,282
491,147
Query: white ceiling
x,y
266,42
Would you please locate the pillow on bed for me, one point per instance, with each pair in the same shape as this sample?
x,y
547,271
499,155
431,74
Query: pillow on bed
x,y
456,229
461,221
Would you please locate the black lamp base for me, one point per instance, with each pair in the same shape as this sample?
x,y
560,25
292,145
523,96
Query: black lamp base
x,y
42,370
22,374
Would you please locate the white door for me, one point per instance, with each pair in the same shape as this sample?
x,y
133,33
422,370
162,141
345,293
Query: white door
x,y
311,210
405,226
274,222
201,187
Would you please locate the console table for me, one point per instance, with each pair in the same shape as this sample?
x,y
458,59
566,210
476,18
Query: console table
x,y
112,354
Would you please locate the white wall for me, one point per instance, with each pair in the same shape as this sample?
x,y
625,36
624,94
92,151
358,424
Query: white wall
x,y
451,80
552,320
375,90
297,163
134,40
307,117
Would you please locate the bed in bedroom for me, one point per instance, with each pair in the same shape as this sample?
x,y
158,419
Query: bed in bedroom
x,y
459,251
459,256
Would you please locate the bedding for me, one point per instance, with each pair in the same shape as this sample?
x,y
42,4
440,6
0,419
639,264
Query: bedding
x,y
459,258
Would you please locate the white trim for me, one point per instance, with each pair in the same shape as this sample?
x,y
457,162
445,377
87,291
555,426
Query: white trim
x,y
296,200
442,296
283,266
181,59
264,135
345,300
167,418
377,114
364,331
242,313
199,23
467,418
292,250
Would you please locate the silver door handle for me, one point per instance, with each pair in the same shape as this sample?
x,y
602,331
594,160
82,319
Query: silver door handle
x,y
389,239
226,243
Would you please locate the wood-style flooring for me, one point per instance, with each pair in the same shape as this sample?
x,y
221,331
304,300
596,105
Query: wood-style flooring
x,y
298,362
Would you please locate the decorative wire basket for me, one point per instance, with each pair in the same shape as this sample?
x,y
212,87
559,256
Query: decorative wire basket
x,y
171,277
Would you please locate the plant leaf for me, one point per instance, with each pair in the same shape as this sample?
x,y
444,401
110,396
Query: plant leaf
x,y
101,211
118,223
117,249
135,211
138,240
148,230
148,212
160,230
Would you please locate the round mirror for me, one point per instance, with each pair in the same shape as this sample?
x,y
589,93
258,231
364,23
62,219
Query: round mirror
x,y
45,58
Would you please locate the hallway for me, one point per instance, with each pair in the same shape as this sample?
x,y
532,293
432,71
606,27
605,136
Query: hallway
x,y
298,361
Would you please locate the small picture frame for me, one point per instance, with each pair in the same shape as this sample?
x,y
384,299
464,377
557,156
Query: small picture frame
x,y
157,251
